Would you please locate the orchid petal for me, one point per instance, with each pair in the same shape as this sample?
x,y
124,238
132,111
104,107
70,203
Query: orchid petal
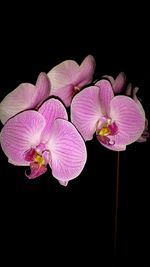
x,y
25,96
85,111
62,74
65,94
51,110
18,100
129,119
119,83
42,90
135,90
21,133
106,94
86,71
68,151
132,92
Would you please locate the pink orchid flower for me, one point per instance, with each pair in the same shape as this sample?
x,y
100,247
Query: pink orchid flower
x,y
38,138
118,86
117,120
68,78
25,96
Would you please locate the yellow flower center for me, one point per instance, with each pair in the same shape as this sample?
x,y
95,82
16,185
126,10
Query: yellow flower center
x,y
39,160
104,131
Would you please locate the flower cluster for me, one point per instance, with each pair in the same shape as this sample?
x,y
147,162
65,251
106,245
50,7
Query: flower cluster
x,y
37,132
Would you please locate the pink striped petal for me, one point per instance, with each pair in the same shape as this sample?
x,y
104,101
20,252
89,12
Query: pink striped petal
x,y
129,119
42,90
68,151
62,75
51,110
25,96
65,94
18,100
21,133
132,93
119,83
106,94
86,71
86,111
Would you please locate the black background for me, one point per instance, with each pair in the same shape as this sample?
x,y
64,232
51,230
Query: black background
x,y
78,221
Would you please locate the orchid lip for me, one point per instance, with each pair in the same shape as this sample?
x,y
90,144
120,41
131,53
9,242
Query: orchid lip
x,y
38,158
105,128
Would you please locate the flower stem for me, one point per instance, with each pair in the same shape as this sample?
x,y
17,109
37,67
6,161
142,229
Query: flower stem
x,y
116,206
